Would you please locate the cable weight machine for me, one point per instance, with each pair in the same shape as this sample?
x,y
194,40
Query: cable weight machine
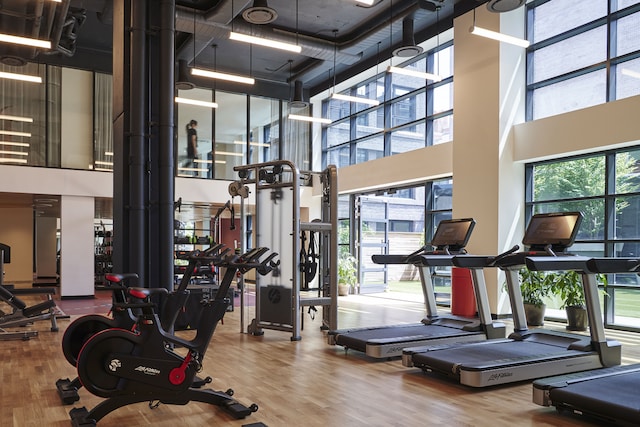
x,y
276,223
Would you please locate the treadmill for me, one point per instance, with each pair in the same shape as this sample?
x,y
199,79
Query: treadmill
x,y
525,354
608,395
449,240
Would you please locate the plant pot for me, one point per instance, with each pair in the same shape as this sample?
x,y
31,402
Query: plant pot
x,y
343,290
534,314
576,318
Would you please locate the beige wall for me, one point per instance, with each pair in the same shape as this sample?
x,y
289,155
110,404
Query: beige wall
x,y
16,230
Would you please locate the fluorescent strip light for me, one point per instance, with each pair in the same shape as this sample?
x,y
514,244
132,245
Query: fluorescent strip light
x,y
310,119
221,162
265,42
8,38
14,144
222,76
10,160
196,102
630,73
16,118
15,153
99,162
193,169
478,31
15,133
108,153
208,162
413,73
254,144
21,77
229,153
103,169
350,98
367,2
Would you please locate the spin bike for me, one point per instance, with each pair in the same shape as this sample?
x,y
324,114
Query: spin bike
x,y
127,367
125,316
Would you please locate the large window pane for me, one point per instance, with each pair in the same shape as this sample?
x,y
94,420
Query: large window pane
x,y
569,95
203,164
627,177
339,156
402,84
338,109
627,39
442,194
408,138
231,126
370,149
571,54
103,122
408,109
264,130
442,98
442,130
338,133
443,65
569,179
628,217
370,122
625,3
628,79
551,18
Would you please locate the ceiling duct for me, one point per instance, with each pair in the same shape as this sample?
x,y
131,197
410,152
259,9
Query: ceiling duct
x,y
260,13
500,6
182,77
409,47
298,96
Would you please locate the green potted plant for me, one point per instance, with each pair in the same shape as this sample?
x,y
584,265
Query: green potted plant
x,y
568,285
347,273
535,286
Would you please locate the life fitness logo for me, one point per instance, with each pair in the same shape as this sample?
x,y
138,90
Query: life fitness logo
x,y
114,365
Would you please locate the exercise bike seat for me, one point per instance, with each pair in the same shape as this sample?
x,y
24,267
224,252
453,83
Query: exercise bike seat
x,y
120,277
144,293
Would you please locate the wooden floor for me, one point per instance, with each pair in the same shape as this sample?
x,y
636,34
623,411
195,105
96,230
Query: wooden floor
x,y
303,383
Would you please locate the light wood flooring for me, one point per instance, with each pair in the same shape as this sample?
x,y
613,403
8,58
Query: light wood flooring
x,y
304,383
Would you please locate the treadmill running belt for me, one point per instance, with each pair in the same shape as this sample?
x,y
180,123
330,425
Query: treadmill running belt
x,y
614,397
481,356
359,339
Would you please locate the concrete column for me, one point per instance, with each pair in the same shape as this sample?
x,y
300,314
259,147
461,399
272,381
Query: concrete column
x,y
488,101
76,246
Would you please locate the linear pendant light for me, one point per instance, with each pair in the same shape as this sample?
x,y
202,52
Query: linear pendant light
x,y
197,102
310,119
16,118
222,76
25,41
265,42
21,77
413,73
494,35
350,98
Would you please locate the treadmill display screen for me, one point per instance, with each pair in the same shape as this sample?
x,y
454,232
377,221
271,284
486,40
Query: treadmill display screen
x,y
556,229
453,233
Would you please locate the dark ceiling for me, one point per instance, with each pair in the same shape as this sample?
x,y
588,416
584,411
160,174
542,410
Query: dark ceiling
x,y
358,35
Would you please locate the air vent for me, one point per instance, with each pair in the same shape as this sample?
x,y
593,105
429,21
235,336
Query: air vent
x,y
409,47
298,96
260,13
500,6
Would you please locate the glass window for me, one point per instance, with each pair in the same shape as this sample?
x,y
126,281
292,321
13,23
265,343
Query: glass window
x,y
338,133
230,126
627,39
408,138
628,79
370,149
625,3
442,98
551,18
571,54
627,176
339,156
443,62
202,163
569,95
408,109
264,130
103,122
338,109
569,179
442,129
370,122
373,89
402,84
